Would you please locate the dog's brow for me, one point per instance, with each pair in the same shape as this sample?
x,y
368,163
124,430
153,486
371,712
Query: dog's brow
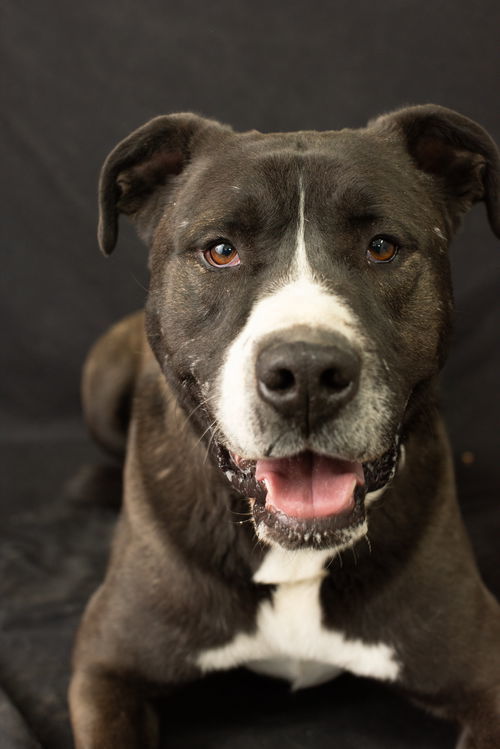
x,y
200,230
361,218
247,218
358,207
357,202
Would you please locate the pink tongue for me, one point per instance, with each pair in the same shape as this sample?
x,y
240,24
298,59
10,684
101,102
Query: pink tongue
x,y
309,485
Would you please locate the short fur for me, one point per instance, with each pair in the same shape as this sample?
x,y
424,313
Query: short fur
x,y
183,579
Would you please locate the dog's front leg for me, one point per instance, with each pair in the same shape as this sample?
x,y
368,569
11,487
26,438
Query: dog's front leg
x,y
482,722
109,712
464,678
467,675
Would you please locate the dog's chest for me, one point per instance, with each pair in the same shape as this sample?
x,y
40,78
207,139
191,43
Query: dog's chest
x,y
290,640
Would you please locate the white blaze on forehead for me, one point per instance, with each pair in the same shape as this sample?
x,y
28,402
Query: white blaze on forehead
x,y
301,300
301,264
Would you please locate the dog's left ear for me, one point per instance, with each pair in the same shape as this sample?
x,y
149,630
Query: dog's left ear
x,y
456,151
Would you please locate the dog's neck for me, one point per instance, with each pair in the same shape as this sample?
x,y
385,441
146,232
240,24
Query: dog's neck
x,y
284,566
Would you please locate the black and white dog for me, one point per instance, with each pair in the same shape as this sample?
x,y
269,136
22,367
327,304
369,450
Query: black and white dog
x,y
283,409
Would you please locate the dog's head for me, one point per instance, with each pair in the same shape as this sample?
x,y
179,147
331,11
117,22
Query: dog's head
x,y
300,296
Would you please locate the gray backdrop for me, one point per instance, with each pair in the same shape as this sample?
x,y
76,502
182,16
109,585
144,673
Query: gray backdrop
x,y
77,77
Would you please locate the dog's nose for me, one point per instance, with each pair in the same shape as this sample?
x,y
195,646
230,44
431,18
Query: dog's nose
x,y
307,381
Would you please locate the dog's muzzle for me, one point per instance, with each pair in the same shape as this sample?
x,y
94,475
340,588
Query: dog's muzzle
x,y
303,489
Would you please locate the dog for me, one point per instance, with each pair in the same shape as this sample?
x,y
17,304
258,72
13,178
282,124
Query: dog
x,y
280,408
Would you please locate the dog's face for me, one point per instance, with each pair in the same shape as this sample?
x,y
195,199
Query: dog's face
x,y
300,296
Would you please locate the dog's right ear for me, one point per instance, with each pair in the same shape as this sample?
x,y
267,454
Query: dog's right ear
x,y
147,159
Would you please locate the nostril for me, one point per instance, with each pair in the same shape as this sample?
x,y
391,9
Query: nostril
x,y
333,379
279,379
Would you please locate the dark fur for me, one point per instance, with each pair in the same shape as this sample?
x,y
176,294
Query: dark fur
x,y
180,576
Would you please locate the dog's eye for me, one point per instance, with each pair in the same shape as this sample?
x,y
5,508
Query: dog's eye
x,y
382,250
222,255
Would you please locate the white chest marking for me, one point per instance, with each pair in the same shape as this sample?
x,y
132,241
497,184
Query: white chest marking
x,y
290,641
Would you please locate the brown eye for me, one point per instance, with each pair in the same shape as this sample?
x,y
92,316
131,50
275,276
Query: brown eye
x,y
222,255
382,250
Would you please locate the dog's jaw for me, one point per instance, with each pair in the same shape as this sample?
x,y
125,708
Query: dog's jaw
x,y
335,531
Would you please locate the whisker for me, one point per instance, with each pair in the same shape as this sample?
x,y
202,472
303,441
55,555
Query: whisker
x,y
331,561
259,543
210,426
273,444
203,402
139,283
245,514
353,550
368,542
208,447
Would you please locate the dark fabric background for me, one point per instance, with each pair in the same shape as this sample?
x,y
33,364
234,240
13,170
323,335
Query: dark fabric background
x,y
77,77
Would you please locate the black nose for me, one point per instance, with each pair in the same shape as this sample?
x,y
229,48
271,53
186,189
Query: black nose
x,y
307,381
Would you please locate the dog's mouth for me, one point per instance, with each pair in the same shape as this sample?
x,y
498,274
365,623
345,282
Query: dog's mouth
x,y
309,500
309,485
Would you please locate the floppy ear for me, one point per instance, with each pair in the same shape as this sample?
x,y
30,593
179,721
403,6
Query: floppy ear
x,y
456,151
147,159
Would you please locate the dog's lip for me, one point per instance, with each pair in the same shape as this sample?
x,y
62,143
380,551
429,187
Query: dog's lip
x,y
245,463
241,462
331,532
240,470
305,486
